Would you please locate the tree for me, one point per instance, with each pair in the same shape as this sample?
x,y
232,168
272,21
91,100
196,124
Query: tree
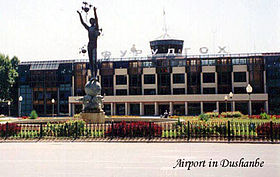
x,y
8,78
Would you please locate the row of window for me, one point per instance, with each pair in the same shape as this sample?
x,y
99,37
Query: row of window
x,y
180,91
180,78
183,62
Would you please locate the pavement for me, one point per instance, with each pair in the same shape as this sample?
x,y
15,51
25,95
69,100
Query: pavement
x,y
133,159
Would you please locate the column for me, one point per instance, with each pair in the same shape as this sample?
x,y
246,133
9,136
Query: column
x,y
250,107
156,83
186,108
141,109
112,109
201,107
45,101
58,101
216,82
142,83
247,77
264,81
127,84
171,83
217,107
232,82
126,108
186,83
19,101
171,108
266,106
73,86
114,112
114,84
70,111
156,109
233,105
201,83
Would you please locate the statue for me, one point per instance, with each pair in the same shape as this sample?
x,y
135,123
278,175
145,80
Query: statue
x,y
92,101
93,33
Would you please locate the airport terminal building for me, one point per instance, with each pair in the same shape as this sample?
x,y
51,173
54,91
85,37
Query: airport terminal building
x,y
180,84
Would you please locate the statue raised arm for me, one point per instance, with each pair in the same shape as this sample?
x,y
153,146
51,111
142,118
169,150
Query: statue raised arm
x,y
82,21
93,33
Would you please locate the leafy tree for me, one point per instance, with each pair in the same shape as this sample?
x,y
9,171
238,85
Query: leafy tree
x,y
8,79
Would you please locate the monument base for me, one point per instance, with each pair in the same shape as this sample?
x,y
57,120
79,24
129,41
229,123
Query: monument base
x,y
97,118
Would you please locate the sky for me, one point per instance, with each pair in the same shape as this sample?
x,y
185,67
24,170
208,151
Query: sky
x,y
51,30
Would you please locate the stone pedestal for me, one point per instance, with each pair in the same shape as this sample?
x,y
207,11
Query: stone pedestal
x,y
97,118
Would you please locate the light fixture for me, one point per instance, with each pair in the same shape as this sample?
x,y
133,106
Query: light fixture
x,y
249,89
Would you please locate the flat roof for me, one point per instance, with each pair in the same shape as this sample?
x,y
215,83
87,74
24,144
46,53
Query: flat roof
x,y
152,57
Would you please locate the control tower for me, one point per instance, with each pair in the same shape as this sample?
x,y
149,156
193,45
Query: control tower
x,y
165,43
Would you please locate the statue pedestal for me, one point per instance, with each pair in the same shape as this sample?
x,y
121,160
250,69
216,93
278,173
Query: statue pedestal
x,y
97,118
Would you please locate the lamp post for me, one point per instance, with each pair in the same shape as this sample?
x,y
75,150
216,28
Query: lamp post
x,y
20,100
249,90
230,97
226,99
53,101
9,105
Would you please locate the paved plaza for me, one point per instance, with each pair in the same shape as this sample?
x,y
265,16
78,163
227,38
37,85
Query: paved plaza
x,y
132,159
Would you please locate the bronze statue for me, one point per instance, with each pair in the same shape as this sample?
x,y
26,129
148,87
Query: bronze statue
x,y
93,33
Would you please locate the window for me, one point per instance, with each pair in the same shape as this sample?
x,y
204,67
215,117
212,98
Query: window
x,y
135,91
207,62
148,64
178,78
209,91
240,90
121,92
121,64
121,80
108,65
224,77
239,61
178,91
240,77
135,80
107,81
149,91
134,109
164,79
179,109
208,77
178,63
107,109
149,79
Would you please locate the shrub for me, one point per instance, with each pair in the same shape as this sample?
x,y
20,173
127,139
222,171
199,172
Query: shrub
x,y
233,114
212,114
203,117
33,115
264,116
180,127
68,129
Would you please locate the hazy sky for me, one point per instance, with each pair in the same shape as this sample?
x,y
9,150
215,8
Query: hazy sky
x,y
50,29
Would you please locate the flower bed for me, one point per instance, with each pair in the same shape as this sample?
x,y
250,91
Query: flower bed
x,y
135,129
13,129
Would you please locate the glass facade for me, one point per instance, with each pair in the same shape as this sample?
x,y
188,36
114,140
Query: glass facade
x,y
272,67
39,82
